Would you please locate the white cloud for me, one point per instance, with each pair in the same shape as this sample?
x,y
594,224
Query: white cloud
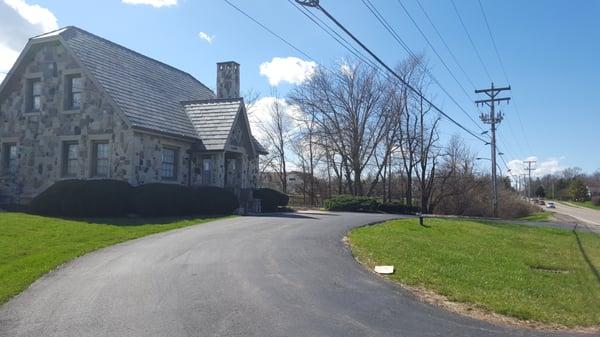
x,y
153,3
20,21
259,114
208,38
287,69
34,14
542,168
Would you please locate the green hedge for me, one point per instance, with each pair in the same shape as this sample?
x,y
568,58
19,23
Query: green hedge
x,y
349,203
93,198
100,198
398,208
271,199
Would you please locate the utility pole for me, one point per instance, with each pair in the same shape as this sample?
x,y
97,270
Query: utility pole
x,y
529,169
492,118
524,176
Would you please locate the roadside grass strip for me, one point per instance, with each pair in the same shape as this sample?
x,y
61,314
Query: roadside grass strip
x,y
538,216
537,274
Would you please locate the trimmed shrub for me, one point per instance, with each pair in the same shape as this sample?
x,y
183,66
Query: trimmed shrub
x,y
84,198
351,203
398,208
213,200
271,199
161,200
106,197
169,199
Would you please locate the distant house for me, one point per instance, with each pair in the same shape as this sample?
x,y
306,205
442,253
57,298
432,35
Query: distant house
x,y
295,181
76,105
593,190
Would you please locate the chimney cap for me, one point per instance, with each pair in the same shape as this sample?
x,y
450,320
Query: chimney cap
x,y
226,62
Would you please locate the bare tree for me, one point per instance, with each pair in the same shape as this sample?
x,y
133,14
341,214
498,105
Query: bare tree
x,y
408,140
427,156
276,127
346,107
308,153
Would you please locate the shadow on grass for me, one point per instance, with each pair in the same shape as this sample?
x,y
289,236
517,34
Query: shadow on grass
x,y
285,215
325,213
140,221
585,256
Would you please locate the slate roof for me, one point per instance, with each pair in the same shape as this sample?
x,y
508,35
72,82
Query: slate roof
x,y
213,120
258,146
148,92
152,95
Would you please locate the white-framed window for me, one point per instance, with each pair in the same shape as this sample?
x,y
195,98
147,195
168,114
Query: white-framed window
x,y
70,159
169,163
9,157
100,154
74,88
34,95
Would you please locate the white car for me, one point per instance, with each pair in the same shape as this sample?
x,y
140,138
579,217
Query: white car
x,y
550,204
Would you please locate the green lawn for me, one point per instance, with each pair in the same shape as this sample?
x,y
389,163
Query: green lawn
x,y
587,204
538,216
30,245
542,274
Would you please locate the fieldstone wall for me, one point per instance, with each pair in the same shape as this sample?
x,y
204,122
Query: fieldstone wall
x,y
134,156
40,135
148,159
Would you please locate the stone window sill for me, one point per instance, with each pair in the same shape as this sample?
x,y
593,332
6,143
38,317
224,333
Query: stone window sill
x,y
71,111
32,113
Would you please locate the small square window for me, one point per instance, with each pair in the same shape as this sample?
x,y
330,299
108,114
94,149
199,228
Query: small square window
x,y
169,163
70,159
74,90
34,95
9,158
100,159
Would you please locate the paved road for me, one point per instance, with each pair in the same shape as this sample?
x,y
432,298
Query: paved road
x,y
287,275
587,216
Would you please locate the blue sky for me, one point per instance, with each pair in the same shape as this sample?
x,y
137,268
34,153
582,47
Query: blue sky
x,y
550,50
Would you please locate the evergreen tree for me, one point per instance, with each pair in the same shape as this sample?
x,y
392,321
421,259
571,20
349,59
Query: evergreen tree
x,y
540,192
577,190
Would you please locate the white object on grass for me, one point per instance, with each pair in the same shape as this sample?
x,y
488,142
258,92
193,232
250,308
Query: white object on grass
x,y
384,269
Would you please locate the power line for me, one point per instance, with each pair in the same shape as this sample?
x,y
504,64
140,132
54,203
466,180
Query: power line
x,y
440,36
269,30
403,44
453,56
487,24
335,35
493,41
471,39
432,47
445,44
315,4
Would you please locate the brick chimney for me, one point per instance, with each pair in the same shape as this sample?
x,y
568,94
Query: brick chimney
x,y
228,80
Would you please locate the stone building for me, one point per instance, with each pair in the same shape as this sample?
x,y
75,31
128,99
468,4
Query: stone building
x,y
77,106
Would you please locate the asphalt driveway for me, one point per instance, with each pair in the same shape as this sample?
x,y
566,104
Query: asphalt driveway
x,y
284,275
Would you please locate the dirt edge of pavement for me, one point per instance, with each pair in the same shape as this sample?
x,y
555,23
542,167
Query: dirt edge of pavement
x,y
471,310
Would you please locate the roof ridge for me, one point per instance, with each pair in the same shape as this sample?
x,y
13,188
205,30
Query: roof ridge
x,y
67,28
212,100
52,31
